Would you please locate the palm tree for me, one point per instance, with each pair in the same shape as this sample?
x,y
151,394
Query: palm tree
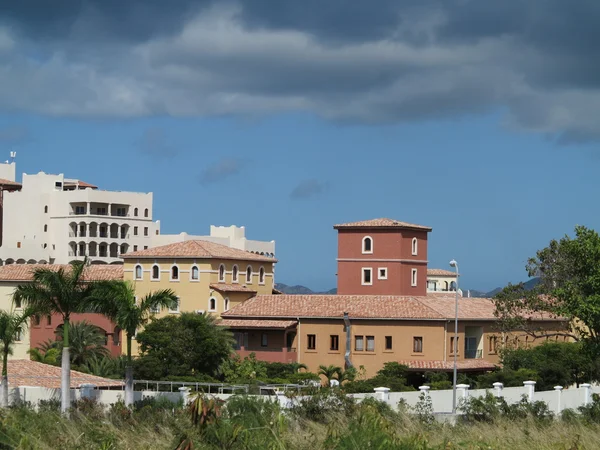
x,y
49,356
62,291
346,375
330,372
117,301
86,341
12,324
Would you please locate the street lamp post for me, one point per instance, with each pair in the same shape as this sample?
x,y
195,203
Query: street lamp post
x,y
454,264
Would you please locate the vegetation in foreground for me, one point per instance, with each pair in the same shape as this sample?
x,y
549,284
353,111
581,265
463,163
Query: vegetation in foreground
x,y
327,420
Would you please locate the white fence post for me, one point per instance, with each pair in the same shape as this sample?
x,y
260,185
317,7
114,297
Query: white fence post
x,y
185,394
558,390
498,388
530,385
424,390
383,393
587,393
463,391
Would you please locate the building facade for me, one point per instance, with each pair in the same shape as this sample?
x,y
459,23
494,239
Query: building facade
x,y
44,328
55,220
383,311
207,277
382,257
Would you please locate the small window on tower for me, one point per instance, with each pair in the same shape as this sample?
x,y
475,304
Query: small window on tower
x,y
367,244
414,246
367,276
382,273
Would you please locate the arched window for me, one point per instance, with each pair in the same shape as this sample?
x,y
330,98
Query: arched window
x,y
46,209
174,273
135,212
222,273
367,244
155,272
261,275
249,275
235,275
146,212
212,304
226,304
138,272
445,285
453,285
414,246
195,273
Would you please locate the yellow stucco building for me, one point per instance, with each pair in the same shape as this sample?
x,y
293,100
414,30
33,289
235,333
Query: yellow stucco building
x,y
208,278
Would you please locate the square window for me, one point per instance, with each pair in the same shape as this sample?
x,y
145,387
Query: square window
x,y
388,342
334,342
370,343
312,342
382,273
135,248
417,344
359,343
367,276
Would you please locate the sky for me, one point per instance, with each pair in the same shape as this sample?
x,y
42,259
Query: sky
x,y
479,119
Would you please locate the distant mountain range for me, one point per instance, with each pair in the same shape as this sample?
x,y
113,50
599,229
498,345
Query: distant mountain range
x,y
303,290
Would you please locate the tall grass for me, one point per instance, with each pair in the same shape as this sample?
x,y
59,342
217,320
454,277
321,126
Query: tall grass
x,y
326,421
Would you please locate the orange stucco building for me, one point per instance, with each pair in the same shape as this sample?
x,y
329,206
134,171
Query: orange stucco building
x,y
382,312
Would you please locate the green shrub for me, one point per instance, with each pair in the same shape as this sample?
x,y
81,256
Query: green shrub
x,y
324,406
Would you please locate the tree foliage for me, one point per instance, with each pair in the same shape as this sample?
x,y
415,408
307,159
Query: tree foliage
x,y
87,341
569,287
182,345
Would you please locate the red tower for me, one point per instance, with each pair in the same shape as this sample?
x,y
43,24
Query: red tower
x,y
382,257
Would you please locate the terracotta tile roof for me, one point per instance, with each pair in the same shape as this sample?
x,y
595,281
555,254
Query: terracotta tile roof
x,y
7,184
381,223
95,272
466,364
279,324
84,184
197,249
440,273
23,372
367,307
224,287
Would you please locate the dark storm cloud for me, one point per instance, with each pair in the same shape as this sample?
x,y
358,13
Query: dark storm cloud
x,y
372,62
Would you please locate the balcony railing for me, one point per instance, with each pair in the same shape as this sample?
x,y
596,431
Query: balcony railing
x,y
473,354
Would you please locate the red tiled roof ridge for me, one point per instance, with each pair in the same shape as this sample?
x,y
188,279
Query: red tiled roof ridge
x,y
96,272
228,287
9,182
441,272
381,222
197,248
431,307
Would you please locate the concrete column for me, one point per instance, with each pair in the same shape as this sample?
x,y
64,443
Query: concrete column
x,y
558,390
498,388
382,393
185,394
109,210
587,393
530,385
88,209
87,390
424,389
462,391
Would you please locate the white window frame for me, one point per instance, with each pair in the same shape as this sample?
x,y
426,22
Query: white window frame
x,y
415,246
177,309
152,272
192,273
235,274
367,252
413,277
261,275
384,276
362,276
155,309
249,278
222,280
171,273
226,304
135,272
209,302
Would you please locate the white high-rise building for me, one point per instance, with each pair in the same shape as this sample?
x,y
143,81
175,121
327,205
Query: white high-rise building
x,y
53,219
